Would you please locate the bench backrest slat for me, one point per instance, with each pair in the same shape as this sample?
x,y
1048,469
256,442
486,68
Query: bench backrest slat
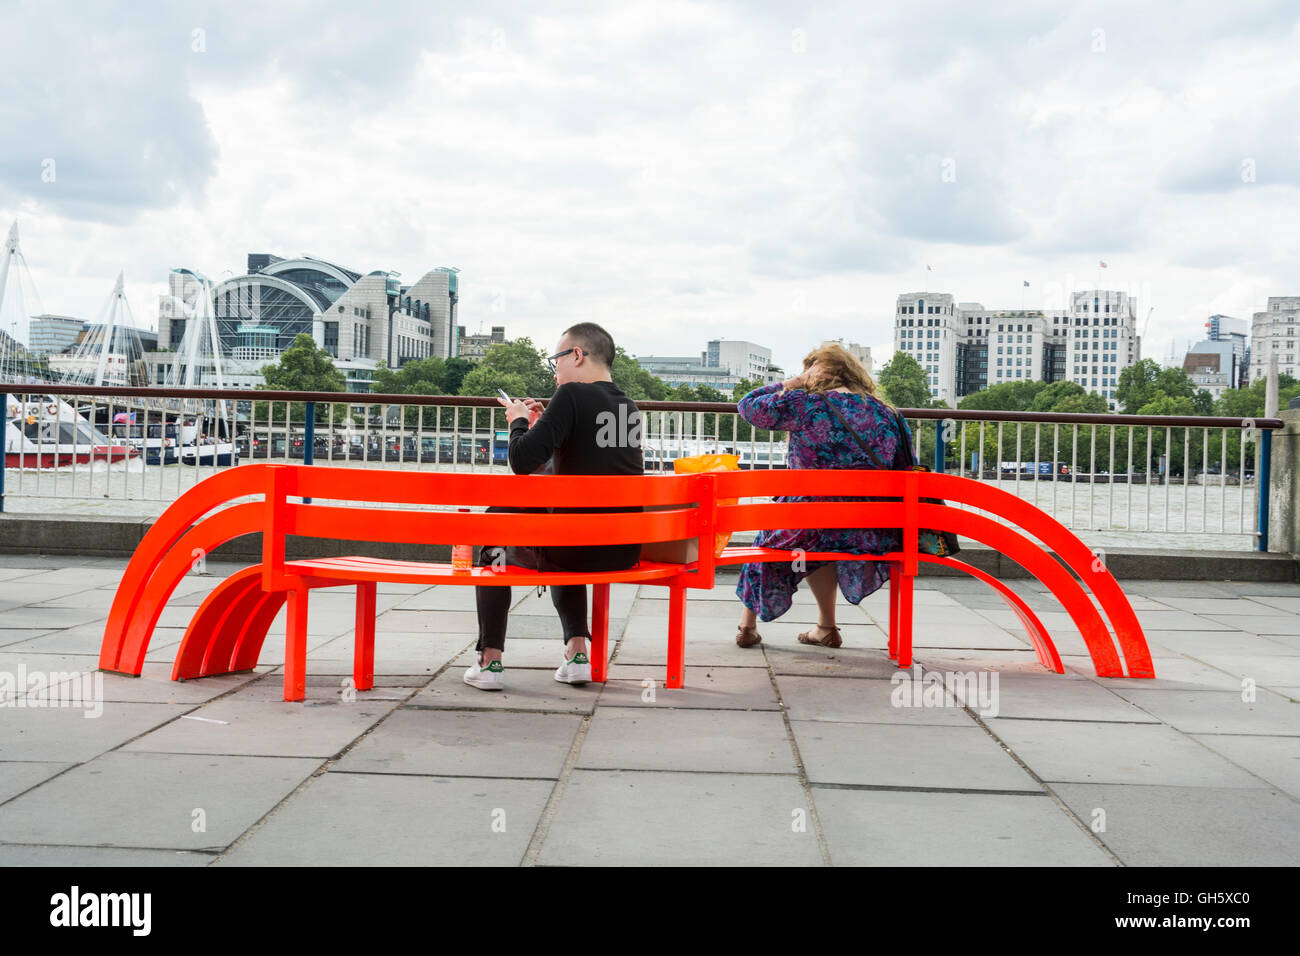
x,y
321,482
449,527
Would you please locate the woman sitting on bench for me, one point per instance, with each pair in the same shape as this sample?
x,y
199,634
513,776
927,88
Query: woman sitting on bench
x,y
822,408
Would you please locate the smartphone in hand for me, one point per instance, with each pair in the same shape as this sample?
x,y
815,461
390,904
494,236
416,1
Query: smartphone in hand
x,y
502,393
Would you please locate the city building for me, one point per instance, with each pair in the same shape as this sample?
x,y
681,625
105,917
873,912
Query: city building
x,y
964,347
472,348
360,320
1212,366
54,333
724,364
1273,335
862,352
1224,328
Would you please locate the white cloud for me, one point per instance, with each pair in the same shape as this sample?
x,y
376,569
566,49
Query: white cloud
x,y
675,171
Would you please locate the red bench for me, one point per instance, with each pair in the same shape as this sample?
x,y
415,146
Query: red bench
x,y
227,632
229,628
1005,526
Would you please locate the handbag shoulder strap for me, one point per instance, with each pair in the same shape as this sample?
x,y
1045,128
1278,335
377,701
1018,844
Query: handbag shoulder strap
x,y
904,439
875,459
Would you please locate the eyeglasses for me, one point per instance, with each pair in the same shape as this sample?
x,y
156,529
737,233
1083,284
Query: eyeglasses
x,y
551,361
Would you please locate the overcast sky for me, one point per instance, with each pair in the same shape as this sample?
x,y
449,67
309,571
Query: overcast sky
x,y
674,171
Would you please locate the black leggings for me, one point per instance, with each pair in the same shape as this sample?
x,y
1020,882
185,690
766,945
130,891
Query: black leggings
x,y
570,600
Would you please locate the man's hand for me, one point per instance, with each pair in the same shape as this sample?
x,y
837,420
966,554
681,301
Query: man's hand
x,y
529,408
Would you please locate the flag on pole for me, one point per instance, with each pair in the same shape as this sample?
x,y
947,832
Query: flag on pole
x,y
927,268
1103,265
1026,284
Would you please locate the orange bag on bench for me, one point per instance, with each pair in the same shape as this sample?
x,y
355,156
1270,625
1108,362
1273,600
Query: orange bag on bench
x,y
696,464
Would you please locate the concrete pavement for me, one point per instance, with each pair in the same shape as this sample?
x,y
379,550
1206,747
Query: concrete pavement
x,y
778,754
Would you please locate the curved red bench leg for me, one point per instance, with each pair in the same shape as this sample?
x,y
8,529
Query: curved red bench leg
x,y
136,610
224,610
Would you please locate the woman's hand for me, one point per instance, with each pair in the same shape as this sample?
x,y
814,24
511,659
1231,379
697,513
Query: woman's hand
x,y
804,379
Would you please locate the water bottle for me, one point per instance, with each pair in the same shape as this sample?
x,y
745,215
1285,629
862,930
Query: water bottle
x,y
462,555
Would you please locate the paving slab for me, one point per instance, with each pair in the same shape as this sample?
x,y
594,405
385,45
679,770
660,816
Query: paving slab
x,y
1055,697
1180,621
435,649
1275,759
340,689
1087,752
911,828
525,690
1197,644
802,660
1178,673
25,592
1268,670
19,775
149,800
427,622
707,688
912,756
682,819
712,610
1162,590
1193,826
49,618
12,854
465,744
11,636
1219,712
85,577
155,686
721,741
319,727
360,819
67,735
1289,604
1230,608
699,653
863,700
1282,625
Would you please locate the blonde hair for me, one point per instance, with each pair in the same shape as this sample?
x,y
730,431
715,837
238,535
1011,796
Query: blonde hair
x,y
840,368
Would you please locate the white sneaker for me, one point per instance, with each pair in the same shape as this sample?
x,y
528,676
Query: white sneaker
x,y
492,677
574,671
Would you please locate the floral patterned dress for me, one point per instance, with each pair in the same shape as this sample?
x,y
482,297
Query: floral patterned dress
x,y
818,440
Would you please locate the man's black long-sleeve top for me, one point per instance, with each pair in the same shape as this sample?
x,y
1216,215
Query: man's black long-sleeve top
x,y
588,428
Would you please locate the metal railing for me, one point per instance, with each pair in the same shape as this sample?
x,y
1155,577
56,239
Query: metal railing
x,y
1171,477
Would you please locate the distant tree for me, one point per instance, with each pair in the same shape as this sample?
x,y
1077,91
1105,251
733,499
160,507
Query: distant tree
x,y
1050,396
743,388
303,367
1004,397
1204,402
1137,385
635,382
904,382
518,363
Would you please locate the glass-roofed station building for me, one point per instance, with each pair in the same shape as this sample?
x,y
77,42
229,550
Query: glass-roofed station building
x,y
361,320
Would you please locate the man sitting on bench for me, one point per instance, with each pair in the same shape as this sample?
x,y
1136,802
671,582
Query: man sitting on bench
x,y
589,427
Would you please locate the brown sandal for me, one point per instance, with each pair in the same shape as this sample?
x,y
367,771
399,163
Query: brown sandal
x,y
747,637
830,640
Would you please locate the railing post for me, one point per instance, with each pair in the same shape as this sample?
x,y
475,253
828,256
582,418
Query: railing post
x,y
4,404
309,440
1262,485
940,448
